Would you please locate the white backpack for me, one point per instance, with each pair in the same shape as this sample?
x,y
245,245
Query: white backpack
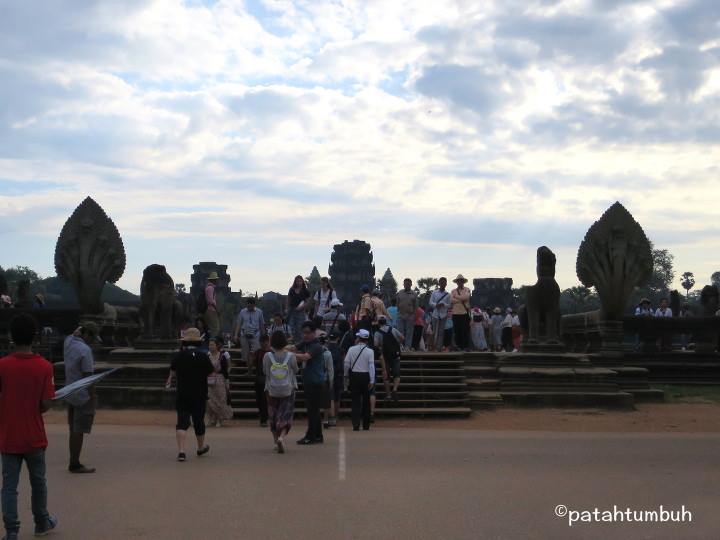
x,y
280,382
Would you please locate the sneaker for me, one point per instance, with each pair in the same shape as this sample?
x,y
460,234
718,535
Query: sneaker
x,y
280,445
204,450
182,457
50,524
305,441
81,469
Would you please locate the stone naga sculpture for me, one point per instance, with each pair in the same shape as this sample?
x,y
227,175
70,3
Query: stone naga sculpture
x,y
159,307
89,253
542,308
614,257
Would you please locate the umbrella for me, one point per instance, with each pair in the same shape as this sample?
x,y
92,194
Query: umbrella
x,y
72,388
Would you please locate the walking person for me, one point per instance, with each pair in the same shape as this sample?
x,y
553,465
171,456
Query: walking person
x,y
388,342
324,297
393,313
311,354
79,363
249,326
439,303
218,407
365,312
496,323
332,317
212,317
360,373
333,346
27,386
256,370
460,302
298,296
279,325
477,329
280,368
189,371
407,304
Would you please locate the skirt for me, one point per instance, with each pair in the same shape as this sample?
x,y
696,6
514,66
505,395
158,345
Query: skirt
x,y
218,409
280,413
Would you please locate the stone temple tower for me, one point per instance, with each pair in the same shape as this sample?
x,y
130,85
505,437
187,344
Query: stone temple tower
x,y
351,267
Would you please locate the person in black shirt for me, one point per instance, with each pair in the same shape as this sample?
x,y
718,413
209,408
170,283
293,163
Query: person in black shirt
x,y
298,296
190,369
311,354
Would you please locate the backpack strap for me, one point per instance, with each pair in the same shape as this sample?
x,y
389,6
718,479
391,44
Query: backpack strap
x,y
358,357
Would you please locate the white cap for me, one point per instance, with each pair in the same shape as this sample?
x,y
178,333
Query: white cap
x,y
363,334
335,303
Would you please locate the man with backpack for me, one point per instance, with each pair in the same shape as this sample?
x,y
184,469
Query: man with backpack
x,y
332,317
388,342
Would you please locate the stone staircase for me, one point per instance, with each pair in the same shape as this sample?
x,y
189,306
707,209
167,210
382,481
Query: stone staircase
x,y
431,385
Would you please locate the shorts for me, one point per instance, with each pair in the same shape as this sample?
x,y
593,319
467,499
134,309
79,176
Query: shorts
x,y
81,419
393,367
195,413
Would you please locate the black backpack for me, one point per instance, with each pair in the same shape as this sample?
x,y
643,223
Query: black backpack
x,y
390,346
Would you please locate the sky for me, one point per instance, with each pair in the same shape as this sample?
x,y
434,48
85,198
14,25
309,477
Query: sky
x,y
454,136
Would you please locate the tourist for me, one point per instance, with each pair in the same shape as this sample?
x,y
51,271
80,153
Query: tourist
x,y
496,322
311,354
407,303
477,329
329,370
27,386
644,309
388,344
218,407
298,296
378,306
507,331
460,302
685,312
666,337
393,313
332,317
189,370
360,373
338,383
249,325
256,371
79,363
419,329
439,303
280,368
212,317
516,331
279,325
428,330
39,301
365,313
324,297
347,338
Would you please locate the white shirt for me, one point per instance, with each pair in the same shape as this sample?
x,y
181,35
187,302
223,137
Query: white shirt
x,y
361,358
322,302
661,313
438,296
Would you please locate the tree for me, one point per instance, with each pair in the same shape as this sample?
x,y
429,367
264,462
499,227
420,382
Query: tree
x,y
313,280
688,282
578,300
426,284
180,288
662,277
715,279
388,287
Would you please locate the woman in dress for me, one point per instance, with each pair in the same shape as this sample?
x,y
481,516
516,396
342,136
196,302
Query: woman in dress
x,y
496,322
218,409
281,369
477,330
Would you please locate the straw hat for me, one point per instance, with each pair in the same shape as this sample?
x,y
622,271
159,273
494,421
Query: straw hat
x,y
213,276
191,335
459,279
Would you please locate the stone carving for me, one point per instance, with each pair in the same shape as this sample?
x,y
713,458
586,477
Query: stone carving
x,y
160,310
614,257
89,253
543,302
351,267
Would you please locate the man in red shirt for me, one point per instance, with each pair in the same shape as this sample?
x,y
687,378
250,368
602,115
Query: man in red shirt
x,y
26,391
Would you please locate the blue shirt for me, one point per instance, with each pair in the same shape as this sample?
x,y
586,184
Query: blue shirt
x,y
393,312
78,360
314,371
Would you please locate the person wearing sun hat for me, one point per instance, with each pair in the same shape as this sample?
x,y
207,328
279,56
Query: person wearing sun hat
x,y
190,369
212,317
496,322
460,304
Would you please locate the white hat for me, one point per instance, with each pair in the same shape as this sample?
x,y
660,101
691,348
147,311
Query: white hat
x,y
363,334
335,303
509,310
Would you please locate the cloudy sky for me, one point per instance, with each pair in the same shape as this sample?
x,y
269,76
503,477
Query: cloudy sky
x,y
453,136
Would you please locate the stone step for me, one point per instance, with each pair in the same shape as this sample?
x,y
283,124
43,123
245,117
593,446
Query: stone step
x,y
404,411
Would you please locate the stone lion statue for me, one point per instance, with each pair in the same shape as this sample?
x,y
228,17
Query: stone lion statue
x,y
160,310
542,310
